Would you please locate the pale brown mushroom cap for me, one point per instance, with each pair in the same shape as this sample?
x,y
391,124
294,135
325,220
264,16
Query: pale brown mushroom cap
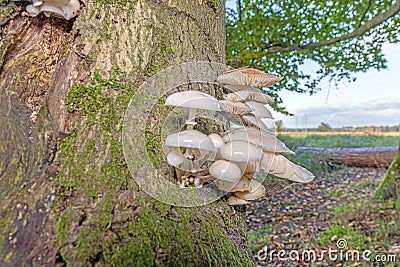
x,y
248,76
234,107
242,185
257,190
232,200
239,87
242,96
256,122
259,110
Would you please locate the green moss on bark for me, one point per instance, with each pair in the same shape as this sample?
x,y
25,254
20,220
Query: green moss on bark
x,y
390,185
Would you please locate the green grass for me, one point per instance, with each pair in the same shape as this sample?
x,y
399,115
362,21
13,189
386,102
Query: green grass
x,y
259,237
328,141
363,223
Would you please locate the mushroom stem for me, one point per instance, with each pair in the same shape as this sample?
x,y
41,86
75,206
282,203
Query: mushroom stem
x,y
189,126
178,175
191,119
200,180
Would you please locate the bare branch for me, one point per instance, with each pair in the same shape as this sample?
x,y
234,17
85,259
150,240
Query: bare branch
x,y
375,21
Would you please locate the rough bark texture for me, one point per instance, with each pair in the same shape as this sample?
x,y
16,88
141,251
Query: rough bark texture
x,y
357,157
65,191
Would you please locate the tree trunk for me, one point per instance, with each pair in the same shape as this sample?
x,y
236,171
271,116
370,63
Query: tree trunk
x,y
67,196
390,185
356,157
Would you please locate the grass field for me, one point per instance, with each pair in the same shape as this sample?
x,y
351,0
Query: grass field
x,y
327,140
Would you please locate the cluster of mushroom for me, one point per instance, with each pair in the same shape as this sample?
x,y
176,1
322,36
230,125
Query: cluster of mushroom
x,y
233,158
63,8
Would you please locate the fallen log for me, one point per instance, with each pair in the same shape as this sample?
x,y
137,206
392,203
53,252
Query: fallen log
x,y
355,157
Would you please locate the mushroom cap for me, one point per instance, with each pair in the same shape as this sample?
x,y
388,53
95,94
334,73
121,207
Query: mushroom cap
x,y
32,10
62,8
249,167
235,88
37,3
258,137
190,138
225,170
242,185
248,76
257,190
193,99
175,158
257,122
240,151
48,7
243,96
235,107
232,200
216,139
282,167
259,110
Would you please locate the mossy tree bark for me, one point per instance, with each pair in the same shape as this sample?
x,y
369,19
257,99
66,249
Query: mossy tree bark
x,y
390,185
65,191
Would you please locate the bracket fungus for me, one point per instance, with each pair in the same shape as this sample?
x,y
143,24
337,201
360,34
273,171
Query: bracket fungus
x,y
232,159
66,9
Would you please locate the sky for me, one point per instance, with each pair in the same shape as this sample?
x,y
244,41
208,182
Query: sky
x,y
373,99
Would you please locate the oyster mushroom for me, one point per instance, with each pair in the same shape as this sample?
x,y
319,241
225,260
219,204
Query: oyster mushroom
x,y
232,200
189,139
282,167
235,107
257,122
257,190
242,185
258,137
242,96
248,76
235,88
259,110
240,151
225,170
63,8
193,100
217,140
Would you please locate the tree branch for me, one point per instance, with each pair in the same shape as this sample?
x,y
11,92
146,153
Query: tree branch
x,y
375,21
365,13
